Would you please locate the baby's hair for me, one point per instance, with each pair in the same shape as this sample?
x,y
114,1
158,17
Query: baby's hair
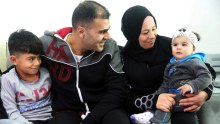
x,y
23,41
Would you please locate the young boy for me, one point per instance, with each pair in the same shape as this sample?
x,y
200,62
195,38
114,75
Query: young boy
x,y
25,89
185,74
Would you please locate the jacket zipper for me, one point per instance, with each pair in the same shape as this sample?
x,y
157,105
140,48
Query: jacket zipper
x,y
83,116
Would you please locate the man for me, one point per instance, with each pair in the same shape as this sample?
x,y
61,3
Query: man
x,y
87,78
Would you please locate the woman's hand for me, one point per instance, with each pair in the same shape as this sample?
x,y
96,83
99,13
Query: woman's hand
x,y
165,102
194,102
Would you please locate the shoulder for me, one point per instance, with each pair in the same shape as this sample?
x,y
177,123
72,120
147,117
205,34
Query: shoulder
x,y
10,75
44,76
163,40
110,46
111,43
196,61
47,38
61,34
10,72
43,70
196,64
164,43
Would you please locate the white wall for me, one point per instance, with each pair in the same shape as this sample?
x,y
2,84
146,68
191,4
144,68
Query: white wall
x,y
205,19
2,56
40,15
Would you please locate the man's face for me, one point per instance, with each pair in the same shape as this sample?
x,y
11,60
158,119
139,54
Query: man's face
x,y
96,34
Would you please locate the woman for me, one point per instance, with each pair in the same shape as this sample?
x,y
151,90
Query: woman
x,y
145,56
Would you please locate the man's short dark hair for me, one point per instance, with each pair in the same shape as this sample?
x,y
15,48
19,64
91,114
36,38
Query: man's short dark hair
x,y
23,41
87,11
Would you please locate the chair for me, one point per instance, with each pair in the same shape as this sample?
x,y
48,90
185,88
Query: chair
x,y
210,111
3,114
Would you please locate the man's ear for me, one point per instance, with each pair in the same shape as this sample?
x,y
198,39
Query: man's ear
x,y
81,31
13,59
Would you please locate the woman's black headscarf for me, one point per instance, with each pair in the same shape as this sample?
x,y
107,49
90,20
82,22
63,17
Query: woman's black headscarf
x,y
132,21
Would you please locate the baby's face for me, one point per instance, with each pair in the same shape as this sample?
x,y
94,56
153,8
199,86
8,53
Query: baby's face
x,y
182,47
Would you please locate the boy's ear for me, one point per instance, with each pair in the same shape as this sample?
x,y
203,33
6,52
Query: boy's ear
x,y
13,59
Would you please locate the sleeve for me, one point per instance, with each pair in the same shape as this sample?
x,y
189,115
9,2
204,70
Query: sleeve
x,y
203,77
163,88
115,89
9,100
209,91
149,101
138,103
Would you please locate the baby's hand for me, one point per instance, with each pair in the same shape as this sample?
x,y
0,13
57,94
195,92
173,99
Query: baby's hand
x,y
186,88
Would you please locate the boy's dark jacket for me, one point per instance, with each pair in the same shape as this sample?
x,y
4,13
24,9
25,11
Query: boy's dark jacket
x,y
96,84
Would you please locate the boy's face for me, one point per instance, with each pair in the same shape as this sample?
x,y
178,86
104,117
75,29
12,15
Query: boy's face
x,y
182,47
27,65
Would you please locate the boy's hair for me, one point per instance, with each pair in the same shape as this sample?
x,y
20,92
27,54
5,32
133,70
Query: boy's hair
x,y
87,11
23,41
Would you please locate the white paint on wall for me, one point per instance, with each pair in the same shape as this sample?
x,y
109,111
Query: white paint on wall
x,y
3,58
40,15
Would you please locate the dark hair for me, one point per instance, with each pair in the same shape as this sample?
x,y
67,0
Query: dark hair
x,y
23,41
87,11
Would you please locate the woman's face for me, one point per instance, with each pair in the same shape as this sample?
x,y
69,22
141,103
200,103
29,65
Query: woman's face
x,y
148,33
